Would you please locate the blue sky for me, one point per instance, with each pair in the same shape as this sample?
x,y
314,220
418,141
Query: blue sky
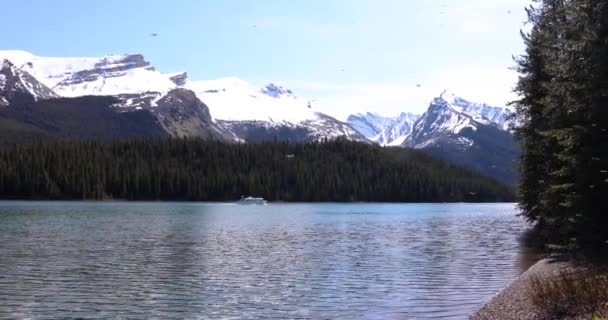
x,y
349,55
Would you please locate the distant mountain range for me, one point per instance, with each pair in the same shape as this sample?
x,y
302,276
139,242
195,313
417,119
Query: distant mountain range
x,y
473,134
246,113
476,135
125,96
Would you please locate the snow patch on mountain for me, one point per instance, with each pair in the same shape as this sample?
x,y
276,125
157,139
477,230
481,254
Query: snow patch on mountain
x,y
480,112
386,131
369,124
447,118
273,111
236,100
19,86
324,126
109,75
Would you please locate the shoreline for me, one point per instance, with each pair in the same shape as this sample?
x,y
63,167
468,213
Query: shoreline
x,y
234,201
512,301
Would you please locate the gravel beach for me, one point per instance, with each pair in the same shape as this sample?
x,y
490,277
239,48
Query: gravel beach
x,y
512,303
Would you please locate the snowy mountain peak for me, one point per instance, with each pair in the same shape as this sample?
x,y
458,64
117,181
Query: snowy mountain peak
x,y
255,114
111,75
9,67
451,100
383,130
468,133
78,76
237,100
18,86
447,113
452,118
480,112
276,91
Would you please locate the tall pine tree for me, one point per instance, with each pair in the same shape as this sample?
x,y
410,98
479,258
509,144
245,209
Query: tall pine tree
x,y
563,119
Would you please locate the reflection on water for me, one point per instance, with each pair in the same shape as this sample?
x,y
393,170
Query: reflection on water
x,y
218,261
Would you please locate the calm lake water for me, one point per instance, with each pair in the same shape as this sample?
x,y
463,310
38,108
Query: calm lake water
x,y
222,261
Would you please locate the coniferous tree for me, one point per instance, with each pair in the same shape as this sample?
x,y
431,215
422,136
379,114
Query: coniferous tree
x,y
194,169
562,120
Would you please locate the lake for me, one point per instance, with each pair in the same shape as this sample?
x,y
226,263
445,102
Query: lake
x,y
163,260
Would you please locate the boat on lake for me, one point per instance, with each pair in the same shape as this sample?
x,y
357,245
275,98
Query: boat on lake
x,y
252,200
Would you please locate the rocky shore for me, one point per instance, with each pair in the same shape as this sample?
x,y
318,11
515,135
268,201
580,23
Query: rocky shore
x,y
513,302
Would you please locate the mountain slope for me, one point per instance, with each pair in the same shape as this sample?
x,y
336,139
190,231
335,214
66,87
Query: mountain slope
x,y
385,131
75,118
272,111
18,86
269,113
468,133
80,76
369,124
179,111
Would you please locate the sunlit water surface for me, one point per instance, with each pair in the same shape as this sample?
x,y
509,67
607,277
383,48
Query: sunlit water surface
x,y
222,261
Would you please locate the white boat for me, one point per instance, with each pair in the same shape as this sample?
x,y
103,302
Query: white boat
x,y
252,200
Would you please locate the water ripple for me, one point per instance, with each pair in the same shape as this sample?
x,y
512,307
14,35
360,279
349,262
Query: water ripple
x,y
206,261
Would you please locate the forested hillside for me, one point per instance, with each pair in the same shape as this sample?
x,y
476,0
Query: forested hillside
x,y
195,169
90,117
563,114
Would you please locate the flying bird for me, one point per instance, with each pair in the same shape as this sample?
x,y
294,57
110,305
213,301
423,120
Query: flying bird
x,y
418,85
154,34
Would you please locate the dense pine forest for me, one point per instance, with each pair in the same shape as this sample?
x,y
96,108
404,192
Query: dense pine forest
x,y
195,169
563,121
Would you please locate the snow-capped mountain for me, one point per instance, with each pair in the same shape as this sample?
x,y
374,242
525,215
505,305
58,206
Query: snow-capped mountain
x,y
255,114
138,100
109,75
468,133
483,113
386,131
18,86
231,101
449,115
179,111
369,124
